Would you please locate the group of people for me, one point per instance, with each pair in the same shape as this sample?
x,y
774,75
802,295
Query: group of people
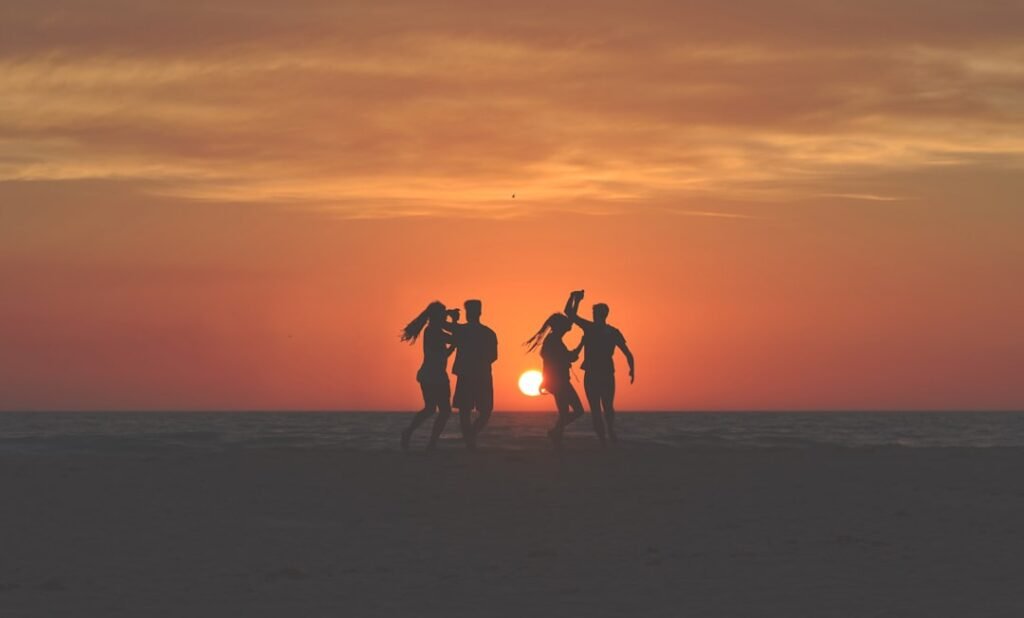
x,y
476,348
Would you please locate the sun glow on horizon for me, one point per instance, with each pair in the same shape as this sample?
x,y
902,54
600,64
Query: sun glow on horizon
x,y
530,381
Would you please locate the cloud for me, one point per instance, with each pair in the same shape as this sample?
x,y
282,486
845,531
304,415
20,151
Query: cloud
x,y
404,109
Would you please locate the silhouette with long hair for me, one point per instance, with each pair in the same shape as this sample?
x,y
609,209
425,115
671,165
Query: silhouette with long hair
x,y
477,347
599,342
433,373
558,359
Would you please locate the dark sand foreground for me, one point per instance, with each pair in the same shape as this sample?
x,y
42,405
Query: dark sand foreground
x,y
643,531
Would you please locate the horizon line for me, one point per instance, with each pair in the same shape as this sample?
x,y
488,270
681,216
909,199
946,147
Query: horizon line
x,y
639,411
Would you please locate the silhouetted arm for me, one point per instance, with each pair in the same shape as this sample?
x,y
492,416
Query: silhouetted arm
x,y
582,323
629,359
572,308
572,305
449,342
574,354
494,347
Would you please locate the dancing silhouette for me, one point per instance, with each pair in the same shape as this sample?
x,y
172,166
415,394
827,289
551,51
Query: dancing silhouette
x,y
599,342
557,361
477,347
433,373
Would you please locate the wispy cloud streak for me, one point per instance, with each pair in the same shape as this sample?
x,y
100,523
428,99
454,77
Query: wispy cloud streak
x,y
368,109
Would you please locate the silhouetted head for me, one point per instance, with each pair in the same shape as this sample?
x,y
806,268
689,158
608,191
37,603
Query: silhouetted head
x,y
434,313
600,312
557,323
473,310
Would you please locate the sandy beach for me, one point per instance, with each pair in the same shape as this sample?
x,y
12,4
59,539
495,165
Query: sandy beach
x,y
643,531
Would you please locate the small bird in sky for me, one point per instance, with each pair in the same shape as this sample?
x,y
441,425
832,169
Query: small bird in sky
x,y
513,196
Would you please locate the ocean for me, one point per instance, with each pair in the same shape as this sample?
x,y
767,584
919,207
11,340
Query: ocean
x,y
140,432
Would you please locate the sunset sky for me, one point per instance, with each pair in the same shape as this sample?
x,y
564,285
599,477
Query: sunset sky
x,y
788,204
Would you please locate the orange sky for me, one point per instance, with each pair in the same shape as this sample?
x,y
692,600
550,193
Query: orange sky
x,y
787,205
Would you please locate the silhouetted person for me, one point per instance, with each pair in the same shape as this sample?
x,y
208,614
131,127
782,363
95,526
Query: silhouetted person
x,y
558,359
433,373
599,342
477,349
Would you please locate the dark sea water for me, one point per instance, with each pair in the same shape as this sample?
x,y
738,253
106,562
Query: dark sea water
x,y
125,432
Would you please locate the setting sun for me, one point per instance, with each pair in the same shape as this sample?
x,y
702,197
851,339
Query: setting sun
x,y
529,382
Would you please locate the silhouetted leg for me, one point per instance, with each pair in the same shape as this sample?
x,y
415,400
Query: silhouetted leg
x,y
591,387
609,421
417,420
419,417
463,402
442,399
608,402
466,424
573,401
484,397
562,403
598,420
481,422
439,423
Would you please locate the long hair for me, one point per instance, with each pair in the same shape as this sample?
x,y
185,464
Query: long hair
x,y
413,329
555,320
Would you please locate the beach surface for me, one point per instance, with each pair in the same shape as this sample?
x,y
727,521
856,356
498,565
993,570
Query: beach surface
x,y
639,530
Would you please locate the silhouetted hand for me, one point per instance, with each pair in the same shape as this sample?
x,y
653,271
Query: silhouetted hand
x,y
577,294
630,376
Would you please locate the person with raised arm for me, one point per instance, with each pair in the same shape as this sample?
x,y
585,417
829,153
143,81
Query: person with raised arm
x,y
432,322
558,360
600,340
